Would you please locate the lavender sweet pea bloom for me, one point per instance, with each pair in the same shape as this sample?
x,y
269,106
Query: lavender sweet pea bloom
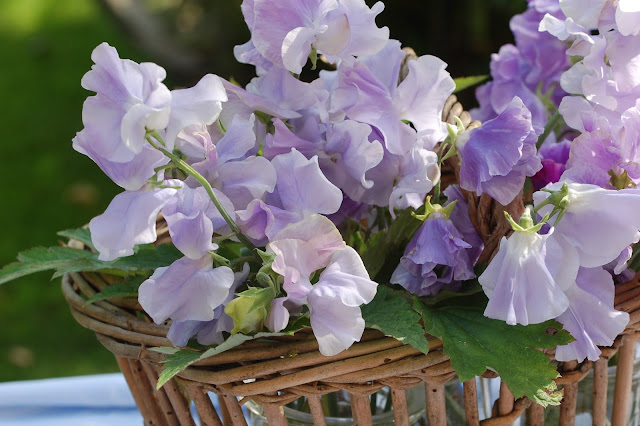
x,y
223,159
208,332
131,175
362,96
187,290
436,255
130,98
498,156
130,219
198,105
334,301
285,32
192,219
597,223
301,190
590,318
519,284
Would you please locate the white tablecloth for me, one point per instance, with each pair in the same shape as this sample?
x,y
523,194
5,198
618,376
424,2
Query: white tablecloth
x,y
99,400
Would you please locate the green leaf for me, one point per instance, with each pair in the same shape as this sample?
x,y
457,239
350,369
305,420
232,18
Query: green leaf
x,y
463,83
81,234
388,244
167,350
392,314
66,259
475,343
40,259
178,360
175,363
126,288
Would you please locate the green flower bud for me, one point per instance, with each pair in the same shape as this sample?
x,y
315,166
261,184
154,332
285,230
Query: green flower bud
x,y
250,309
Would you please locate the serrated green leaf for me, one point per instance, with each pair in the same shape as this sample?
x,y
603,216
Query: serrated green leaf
x,y
40,259
167,350
178,360
66,259
126,288
146,258
392,314
80,234
175,363
388,244
475,343
463,83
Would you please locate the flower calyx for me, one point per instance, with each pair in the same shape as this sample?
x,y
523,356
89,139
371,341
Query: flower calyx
x,y
526,224
435,208
560,201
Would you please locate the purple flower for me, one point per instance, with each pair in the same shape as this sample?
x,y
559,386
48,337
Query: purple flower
x,y
284,32
497,95
130,98
437,255
198,105
208,332
224,160
131,175
420,98
187,290
519,283
598,223
335,302
301,190
498,156
130,219
302,249
554,159
590,317
192,219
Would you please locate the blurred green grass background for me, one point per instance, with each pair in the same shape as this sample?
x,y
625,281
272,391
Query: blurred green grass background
x,y
45,48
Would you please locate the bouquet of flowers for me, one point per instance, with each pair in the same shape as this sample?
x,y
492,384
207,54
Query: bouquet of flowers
x,y
316,195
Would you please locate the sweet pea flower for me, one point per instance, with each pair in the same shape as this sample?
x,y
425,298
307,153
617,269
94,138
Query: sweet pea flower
x,y
497,157
334,300
192,219
187,290
285,32
597,223
436,256
208,332
130,219
519,282
301,190
223,159
554,162
590,317
130,98
361,96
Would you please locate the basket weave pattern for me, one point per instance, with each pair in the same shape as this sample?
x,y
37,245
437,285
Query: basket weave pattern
x,y
292,367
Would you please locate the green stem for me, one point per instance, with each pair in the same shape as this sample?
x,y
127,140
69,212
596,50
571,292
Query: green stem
x,y
551,124
441,156
182,165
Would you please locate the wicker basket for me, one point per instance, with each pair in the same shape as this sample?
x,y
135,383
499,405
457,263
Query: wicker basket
x,y
279,372
292,367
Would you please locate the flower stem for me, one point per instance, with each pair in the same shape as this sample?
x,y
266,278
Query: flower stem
x,y
551,124
182,165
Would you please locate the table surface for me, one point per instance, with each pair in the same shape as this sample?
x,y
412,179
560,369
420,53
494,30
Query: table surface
x,y
96,400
